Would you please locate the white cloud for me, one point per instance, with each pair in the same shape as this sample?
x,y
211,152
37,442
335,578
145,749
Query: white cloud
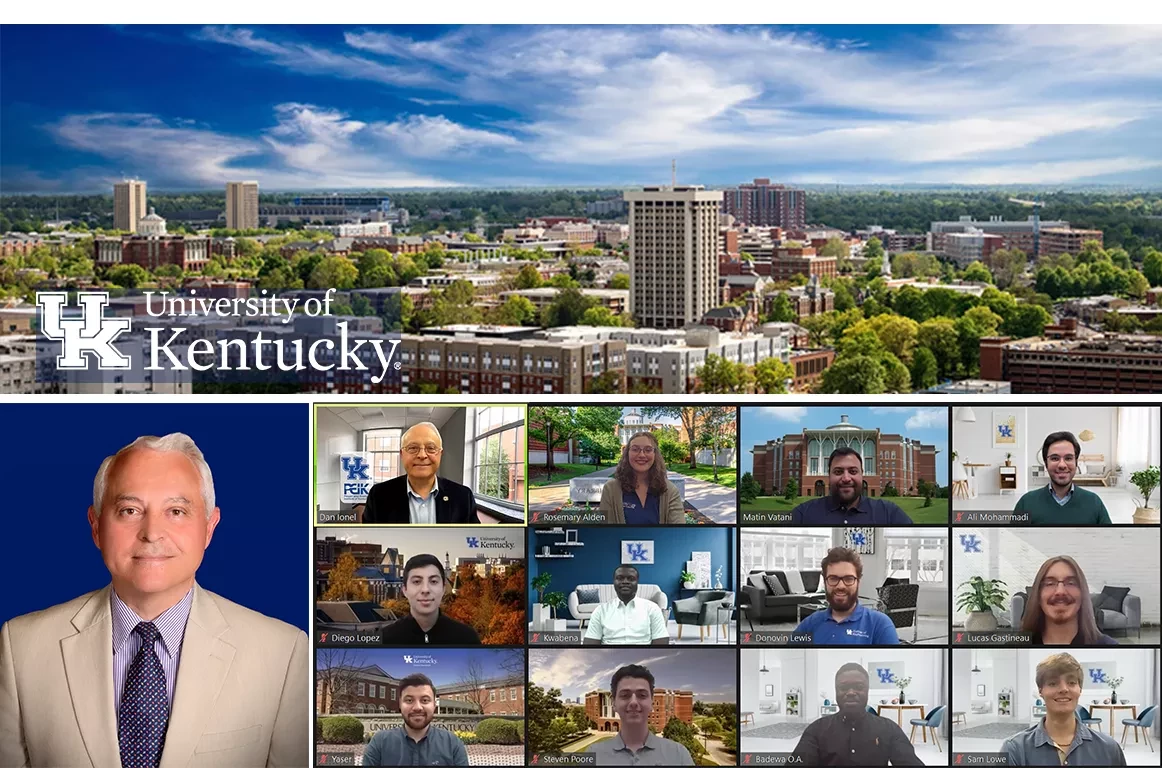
x,y
928,418
426,136
786,413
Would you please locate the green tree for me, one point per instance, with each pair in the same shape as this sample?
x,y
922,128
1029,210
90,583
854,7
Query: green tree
x,y
333,272
1006,266
940,337
492,469
528,277
601,316
971,327
1152,266
671,445
543,707
516,310
977,273
553,426
685,735
781,310
844,300
718,433
924,369
454,304
897,334
791,489
304,264
721,376
911,302
597,432
361,305
836,248
127,275
748,488
874,249
567,309
856,374
564,281
896,375
1026,321
691,419
619,281
818,328
606,383
374,269
772,374
1136,285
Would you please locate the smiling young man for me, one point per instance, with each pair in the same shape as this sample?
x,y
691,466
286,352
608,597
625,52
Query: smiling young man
x,y
417,743
632,689
1062,502
153,669
627,619
844,621
424,582
846,504
1060,611
853,736
1060,738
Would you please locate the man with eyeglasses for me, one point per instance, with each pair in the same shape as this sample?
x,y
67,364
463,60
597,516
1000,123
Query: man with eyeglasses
x,y
420,496
1059,609
1062,502
844,621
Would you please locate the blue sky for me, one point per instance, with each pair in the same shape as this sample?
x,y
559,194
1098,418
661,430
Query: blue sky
x,y
929,425
711,673
449,667
328,107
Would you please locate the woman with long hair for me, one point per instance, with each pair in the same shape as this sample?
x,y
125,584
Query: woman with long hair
x,y
1059,610
639,492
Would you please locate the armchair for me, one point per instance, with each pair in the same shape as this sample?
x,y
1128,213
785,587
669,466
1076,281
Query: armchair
x,y
701,609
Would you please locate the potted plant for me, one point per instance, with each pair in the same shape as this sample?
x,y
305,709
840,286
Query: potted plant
x,y
555,601
977,599
1114,685
902,683
1008,459
540,583
687,579
1145,480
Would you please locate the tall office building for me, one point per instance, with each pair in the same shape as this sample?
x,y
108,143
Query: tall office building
x,y
673,255
763,204
128,204
242,205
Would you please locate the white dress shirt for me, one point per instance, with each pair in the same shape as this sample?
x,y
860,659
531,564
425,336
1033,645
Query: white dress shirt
x,y
637,622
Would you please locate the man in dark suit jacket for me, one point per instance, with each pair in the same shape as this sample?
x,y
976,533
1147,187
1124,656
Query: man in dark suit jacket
x,y
420,495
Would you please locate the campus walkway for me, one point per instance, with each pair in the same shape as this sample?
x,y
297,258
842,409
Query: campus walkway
x,y
715,501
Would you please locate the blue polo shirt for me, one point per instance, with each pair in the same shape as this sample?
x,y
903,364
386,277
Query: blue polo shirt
x,y
867,511
635,513
863,627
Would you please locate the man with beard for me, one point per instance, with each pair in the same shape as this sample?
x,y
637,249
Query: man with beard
x,y
1060,738
845,621
628,619
632,689
1058,608
846,505
1062,502
854,736
417,743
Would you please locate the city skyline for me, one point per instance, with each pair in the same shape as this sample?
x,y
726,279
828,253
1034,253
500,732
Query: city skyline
x,y
928,425
887,104
708,672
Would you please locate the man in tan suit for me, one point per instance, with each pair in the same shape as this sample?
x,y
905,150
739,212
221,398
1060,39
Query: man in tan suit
x,y
153,670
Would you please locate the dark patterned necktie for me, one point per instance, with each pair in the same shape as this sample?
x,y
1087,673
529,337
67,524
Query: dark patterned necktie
x,y
144,711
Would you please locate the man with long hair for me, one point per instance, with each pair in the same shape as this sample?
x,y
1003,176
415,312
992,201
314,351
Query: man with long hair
x,y
639,493
1060,738
1058,609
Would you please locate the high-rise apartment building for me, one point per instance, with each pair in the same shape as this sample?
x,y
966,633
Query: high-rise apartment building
x,y
128,204
763,204
242,205
673,254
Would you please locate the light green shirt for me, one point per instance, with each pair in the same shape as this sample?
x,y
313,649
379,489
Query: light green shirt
x,y
656,751
637,622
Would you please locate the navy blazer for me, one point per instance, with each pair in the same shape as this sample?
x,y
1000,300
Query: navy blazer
x,y
388,503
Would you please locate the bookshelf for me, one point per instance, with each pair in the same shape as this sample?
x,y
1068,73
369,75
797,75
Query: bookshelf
x,y
792,701
1005,704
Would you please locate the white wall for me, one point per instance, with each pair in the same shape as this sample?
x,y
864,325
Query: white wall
x,y
1135,665
963,687
1109,556
973,442
786,669
1102,421
922,665
332,437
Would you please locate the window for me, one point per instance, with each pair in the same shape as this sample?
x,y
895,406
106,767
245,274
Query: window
x,y
512,694
492,695
783,551
393,690
504,694
917,556
360,689
383,445
383,691
498,467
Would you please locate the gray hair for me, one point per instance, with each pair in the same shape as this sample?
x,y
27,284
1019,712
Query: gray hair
x,y
403,438
174,442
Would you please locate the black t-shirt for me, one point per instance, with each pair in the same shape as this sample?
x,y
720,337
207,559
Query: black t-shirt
x,y
859,741
445,631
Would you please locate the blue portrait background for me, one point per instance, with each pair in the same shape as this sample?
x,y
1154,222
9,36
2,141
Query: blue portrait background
x,y
260,457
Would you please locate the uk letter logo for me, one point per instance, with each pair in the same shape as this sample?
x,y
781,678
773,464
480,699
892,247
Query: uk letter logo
x,y
90,336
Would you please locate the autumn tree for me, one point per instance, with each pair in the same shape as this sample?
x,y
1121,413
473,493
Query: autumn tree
x,y
342,583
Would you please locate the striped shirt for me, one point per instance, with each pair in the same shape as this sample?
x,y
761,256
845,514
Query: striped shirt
x,y
171,625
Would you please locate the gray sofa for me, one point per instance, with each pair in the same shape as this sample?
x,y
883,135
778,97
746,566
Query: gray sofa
x,y
765,607
1109,620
